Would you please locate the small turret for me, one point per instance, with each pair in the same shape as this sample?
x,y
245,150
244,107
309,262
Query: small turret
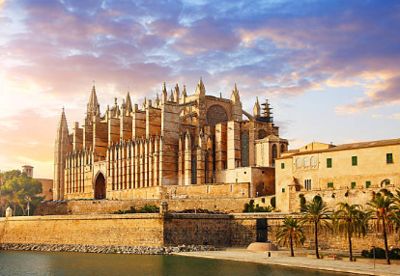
x,y
236,105
256,108
157,101
235,98
200,89
176,93
164,93
128,104
93,107
184,94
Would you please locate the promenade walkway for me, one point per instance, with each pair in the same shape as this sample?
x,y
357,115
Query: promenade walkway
x,y
282,258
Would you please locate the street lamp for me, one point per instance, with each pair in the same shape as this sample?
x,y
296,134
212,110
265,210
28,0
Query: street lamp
x,y
28,199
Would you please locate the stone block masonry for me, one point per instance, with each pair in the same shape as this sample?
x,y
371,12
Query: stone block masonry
x,y
158,231
128,230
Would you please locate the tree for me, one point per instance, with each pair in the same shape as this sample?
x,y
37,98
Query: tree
x,y
17,188
350,220
383,206
317,214
395,216
290,232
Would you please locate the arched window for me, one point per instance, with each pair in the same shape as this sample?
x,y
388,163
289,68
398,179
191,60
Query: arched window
x,y
299,163
313,161
245,149
216,114
274,153
306,162
385,182
283,148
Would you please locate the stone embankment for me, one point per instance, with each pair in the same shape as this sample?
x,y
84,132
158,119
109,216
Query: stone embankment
x,y
137,250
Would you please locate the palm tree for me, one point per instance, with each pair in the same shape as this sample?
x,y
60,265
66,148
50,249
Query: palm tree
x,y
395,217
383,207
351,220
317,213
291,231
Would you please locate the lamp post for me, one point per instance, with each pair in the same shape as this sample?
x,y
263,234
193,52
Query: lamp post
x,y
373,250
28,199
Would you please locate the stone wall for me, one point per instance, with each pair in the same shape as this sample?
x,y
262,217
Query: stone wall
x,y
231,230
243,231
333,197
130,230
198,229
81,207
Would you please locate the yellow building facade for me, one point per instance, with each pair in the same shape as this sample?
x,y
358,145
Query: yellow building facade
x,y
344,173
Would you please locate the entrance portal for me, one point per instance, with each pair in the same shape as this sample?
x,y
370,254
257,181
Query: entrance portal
x,y
100,187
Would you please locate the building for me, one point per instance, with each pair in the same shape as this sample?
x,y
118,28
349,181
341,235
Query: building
x,y
349,172
28,170
47,184
198,141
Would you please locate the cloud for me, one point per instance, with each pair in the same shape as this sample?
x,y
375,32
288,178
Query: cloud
x,y
386,92
51,51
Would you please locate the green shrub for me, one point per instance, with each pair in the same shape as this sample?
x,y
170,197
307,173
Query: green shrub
x,y
379,253
394,254
149,209
250,208
145,209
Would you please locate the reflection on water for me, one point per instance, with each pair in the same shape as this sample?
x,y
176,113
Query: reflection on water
x,y
44,263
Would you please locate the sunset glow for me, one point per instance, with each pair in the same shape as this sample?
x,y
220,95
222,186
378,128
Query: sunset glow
x,y
331,69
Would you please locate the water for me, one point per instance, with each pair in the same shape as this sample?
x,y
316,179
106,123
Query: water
x,y
63,263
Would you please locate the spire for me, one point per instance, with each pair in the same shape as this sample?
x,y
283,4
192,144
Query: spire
x,y
164,93
62,125
157,101
176,93
200,89
235,95
128,103
62,147
93,107
256,108
184,93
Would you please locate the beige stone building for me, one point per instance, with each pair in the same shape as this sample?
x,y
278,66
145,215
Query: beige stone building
x,y
47,184
349,172
194,145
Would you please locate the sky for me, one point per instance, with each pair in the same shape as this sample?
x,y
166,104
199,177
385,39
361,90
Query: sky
x,y
331,69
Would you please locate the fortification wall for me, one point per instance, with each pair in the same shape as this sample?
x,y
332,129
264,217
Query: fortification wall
x,y
327,238
198,229
231,230
81,207
332,197
130,230
195,191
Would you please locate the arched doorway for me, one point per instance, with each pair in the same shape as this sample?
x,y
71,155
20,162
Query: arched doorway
x,y
100,187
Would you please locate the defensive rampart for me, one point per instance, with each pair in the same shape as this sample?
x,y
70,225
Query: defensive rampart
x,y
167,230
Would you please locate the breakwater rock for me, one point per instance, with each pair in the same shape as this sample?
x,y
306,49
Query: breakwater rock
x,y
112,249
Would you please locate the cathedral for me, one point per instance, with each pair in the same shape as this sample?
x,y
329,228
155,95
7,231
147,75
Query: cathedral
x,y
177,140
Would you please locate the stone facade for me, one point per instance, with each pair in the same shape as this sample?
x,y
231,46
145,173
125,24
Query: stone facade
x,y
345,173
47,188
156,230
174,141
